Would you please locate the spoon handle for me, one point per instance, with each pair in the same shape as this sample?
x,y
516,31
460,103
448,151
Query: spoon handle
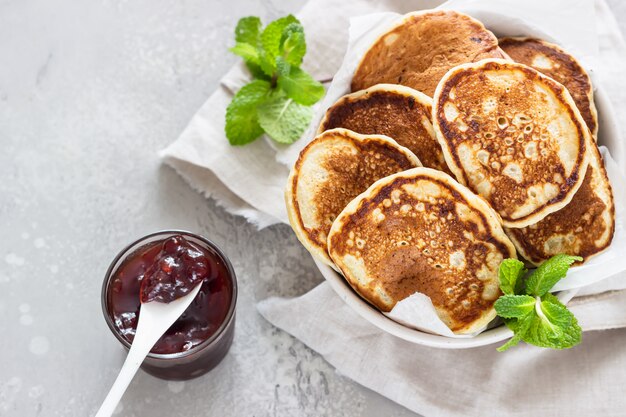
x,y
142,344
154,319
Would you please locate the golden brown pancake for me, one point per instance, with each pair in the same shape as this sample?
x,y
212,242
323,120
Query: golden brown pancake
x,y
421,231
422,48
559,65
512,135
392,110
584,227
334,168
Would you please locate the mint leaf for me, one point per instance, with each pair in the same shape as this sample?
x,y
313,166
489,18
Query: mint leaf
x,y
272,35
242,122
267,63
248,30
257,72
573,332
549,273
511,272
542,333
283,119
514,341
514,306
552,298
519,327
282,66
293,44
248,37
301,87
553,326
249,53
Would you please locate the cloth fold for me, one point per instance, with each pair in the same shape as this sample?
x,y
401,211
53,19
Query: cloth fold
x,y
587,380
245,180
249,181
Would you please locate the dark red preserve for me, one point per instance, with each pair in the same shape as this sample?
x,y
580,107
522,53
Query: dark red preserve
x,y
175,271
162,271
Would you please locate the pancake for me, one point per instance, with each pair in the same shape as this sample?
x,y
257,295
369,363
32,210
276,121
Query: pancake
x,y
422,48
393,110
334,168
551,60
421,231
584,227
512,135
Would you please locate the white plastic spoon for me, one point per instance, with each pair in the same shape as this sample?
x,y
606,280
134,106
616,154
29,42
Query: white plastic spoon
x,y
154,320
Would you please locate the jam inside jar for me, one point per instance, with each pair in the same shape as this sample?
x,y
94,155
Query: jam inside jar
x,y
163,267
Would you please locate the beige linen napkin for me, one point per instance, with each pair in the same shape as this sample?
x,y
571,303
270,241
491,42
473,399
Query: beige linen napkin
x,y
585,381
249,181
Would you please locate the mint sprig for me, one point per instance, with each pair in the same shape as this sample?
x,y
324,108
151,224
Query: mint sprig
x,y
277,101
536,316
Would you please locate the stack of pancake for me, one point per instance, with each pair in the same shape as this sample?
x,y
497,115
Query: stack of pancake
x,y
454,151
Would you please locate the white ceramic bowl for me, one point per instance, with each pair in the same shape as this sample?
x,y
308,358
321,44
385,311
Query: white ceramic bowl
x,y
608,136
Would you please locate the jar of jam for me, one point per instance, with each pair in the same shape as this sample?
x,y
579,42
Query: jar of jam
x,y
202,335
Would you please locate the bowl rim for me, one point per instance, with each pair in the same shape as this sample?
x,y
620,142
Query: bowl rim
x,y
378,319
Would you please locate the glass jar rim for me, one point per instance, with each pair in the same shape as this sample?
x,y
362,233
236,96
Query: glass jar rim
x,y
121,256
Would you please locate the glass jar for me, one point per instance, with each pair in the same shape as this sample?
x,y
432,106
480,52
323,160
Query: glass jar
x,y
198,359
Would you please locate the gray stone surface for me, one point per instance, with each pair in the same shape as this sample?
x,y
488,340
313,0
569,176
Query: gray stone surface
x,y
89,92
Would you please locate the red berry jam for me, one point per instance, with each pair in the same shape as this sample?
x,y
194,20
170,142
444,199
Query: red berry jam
x,y
176,270
162,271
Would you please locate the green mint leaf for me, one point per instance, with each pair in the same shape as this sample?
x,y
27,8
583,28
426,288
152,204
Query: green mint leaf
x,y
283,119
267,63
557,314
282,66
549,273
519,327
510,343
301,87
573,332
552,298
248,37
242,122
293,44
553,326
257,72
572,335
511,272
248,30
272,35
249,53
514,306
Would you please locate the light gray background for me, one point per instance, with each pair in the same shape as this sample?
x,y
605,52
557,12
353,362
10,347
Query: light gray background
x,y
89,92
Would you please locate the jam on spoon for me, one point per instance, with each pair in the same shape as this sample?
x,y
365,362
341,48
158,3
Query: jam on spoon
x,y
176,270
164,271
